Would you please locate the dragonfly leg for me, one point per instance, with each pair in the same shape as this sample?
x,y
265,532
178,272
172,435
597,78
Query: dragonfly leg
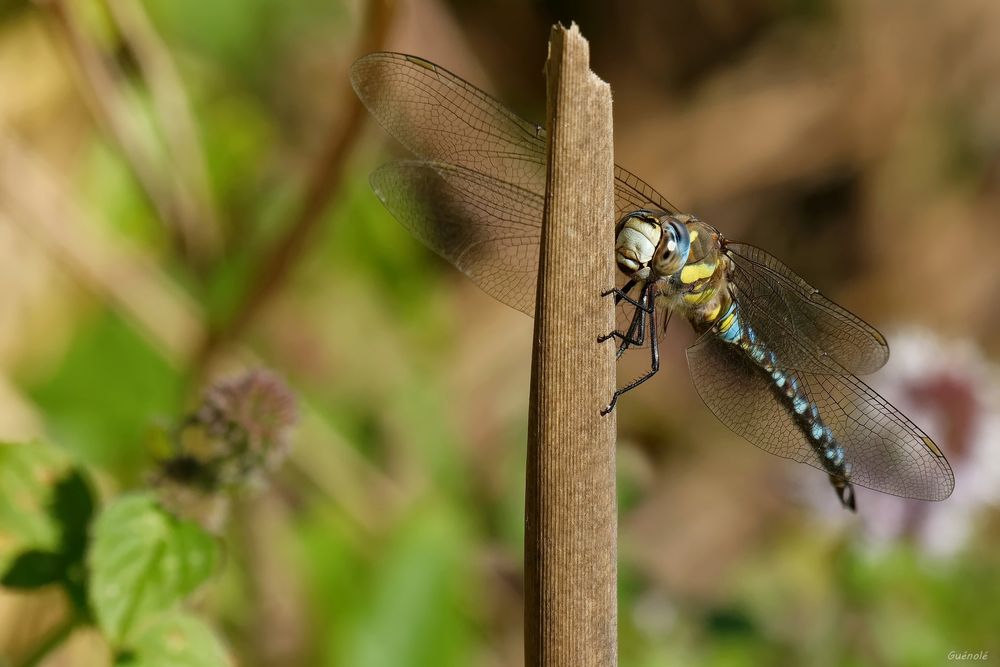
x,y
642,308
635,336
622,294
654,353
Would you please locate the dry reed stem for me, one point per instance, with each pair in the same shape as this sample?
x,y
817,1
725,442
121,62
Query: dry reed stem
x,y
571,513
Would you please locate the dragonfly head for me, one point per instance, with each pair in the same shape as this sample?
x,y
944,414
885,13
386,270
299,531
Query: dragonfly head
x,y
650,245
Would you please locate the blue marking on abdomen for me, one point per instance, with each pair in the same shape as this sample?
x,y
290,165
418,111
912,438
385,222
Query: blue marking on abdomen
x,y
789,391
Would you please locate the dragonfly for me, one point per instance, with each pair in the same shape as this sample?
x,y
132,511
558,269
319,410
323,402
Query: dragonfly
x,y
775,360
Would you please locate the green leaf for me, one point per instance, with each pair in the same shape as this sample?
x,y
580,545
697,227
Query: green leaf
x,y
26,476
143,560
45,515
33,569
176,640
72,508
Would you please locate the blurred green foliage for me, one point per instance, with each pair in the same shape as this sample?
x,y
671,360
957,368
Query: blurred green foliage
x,y
110,388
406,599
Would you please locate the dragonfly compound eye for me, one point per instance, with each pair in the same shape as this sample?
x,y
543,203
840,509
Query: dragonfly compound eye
x,y
638,236
673,249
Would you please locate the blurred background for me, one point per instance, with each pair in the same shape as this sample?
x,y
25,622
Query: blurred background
x,y
183,194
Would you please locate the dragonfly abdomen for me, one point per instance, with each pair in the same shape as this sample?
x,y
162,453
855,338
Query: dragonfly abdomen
x,y
792,395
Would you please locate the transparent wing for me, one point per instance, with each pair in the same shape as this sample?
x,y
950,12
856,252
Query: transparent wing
x,y
887,452
442,118
632,193
467,139
805,329
487,228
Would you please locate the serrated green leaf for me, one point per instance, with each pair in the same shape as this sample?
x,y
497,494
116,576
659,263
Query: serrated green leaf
x,y
43,500
27,475
143,560
175,640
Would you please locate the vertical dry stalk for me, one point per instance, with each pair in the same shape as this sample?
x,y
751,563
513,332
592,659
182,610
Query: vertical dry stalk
x,y
571,521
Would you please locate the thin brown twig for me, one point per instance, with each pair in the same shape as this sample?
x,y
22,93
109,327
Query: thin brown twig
x,y
103,92
322,184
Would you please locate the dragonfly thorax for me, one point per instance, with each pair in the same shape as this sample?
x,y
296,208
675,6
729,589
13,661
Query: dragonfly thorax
x,y
651,246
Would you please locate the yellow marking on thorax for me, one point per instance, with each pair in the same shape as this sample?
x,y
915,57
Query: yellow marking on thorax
x,y
699,296
695,272
712,314
694,235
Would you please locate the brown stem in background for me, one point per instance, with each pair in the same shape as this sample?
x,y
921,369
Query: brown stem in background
x,y
322,184
103,91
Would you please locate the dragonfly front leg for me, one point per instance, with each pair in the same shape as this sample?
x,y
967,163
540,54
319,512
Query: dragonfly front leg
x,y
647,310
636,334
622,293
